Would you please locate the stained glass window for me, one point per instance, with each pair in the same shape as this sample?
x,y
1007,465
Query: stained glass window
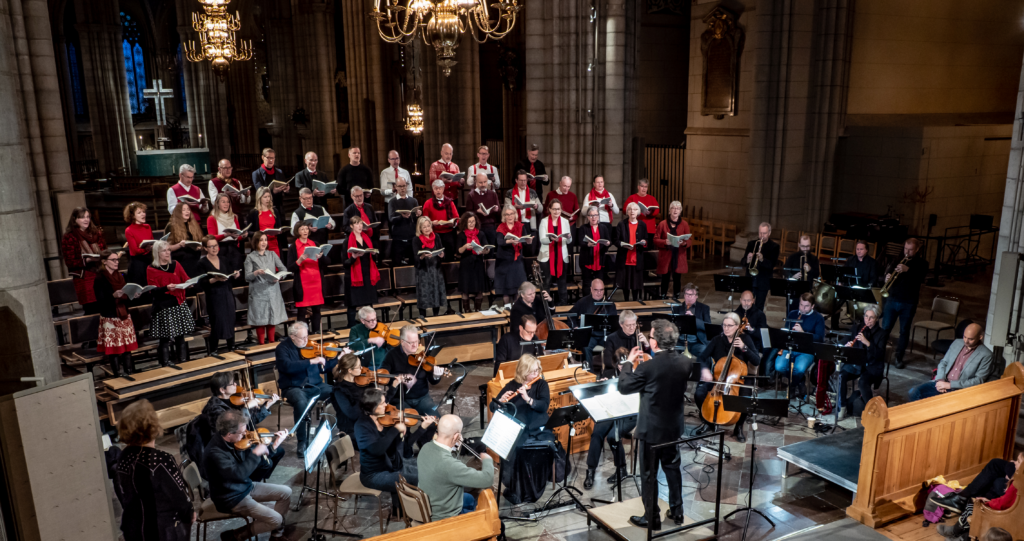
x,y
76,80
134,64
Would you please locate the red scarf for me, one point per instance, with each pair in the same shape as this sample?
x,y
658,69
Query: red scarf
x,y
555,249
472,235
444,204
526,199
595,234
596,196
517,230
356,269
267,171
366,219
117,282
631,255
428,242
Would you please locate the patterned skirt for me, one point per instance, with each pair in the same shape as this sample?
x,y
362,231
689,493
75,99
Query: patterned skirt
x,y
172,322
116,336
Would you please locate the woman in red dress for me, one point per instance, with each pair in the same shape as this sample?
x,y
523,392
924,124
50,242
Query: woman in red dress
x,y
264,216
82,236
137,232
672,260
309,277
117,332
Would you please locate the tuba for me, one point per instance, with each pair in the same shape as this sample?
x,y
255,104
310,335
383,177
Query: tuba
x,y
752,267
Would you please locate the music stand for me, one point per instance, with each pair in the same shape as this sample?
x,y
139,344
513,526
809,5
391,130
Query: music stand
x,y
602,324
794,342
502,436
783,287
558,339
856,294
534,345
615,408
848,275
770,407
732,283
453,389
839,355
568,415
315,457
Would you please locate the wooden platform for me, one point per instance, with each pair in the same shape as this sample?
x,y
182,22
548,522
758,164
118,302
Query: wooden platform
x,y
910,529
614,518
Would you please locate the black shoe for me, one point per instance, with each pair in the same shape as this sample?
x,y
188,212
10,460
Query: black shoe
x,y
163,354
953,531
588,483
676,517
641,522
738,433
952,501
228,536
900,364
618,476
704,428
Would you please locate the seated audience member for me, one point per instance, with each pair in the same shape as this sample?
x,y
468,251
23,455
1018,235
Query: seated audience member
x,y
444,477
993,486
229,472
967,363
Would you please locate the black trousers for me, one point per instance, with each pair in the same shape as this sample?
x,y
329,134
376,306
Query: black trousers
x,y
668,458
676,280
560,282
987,484
606,430
310,315
760,297
589,276
448,243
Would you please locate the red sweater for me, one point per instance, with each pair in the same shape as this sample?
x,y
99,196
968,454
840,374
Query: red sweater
x,y
648,200
570,204
135,234
435,214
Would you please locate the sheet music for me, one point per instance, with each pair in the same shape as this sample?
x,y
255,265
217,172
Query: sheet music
x,y
488,313
502,433
765,337
612,405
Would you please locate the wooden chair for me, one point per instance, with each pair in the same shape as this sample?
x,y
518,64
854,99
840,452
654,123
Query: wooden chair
x,y
847,247
206,512
948,306
415,503
340,452
1011,519
828,247
698,242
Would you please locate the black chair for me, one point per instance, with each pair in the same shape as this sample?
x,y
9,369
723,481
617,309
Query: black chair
x,y
941,346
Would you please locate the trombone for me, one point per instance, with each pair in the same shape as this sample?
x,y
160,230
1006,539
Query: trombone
x,y
752,267
892,278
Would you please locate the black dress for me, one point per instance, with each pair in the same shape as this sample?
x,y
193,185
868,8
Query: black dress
x,y
366,294
472,272
520,309
430,286
220,301
188,256
156,501
509,272
630,277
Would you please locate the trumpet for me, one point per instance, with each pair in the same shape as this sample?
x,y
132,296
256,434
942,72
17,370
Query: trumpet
x,y
803,266
752,267
892,278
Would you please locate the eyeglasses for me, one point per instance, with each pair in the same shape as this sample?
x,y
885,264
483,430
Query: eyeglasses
x,y
112,259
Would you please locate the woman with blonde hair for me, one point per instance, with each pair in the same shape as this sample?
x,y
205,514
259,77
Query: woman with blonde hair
x,y
171,319
528,393
631,233
222,217
430,287
672,259
184,230
264,216
156,502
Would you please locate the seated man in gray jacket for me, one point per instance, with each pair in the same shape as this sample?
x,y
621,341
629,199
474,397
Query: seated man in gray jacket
x,y
967,363
443,477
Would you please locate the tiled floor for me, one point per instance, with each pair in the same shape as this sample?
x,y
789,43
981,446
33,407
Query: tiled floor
x,y
794,503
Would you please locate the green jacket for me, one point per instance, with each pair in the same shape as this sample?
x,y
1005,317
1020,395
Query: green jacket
x,y
360,333
442,477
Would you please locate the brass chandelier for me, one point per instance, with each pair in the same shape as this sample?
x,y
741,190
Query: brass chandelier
x,y
217,29
442,23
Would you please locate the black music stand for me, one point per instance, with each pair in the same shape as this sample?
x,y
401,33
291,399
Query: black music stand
x,y
732,283
602,324
535,345
453,389
568,415
839,355
794,342
321,441
558,339
848,276
791,289
589,390
752,406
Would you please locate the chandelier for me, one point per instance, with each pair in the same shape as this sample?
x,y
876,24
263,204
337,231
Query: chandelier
x,y
217,29
414,118
443,22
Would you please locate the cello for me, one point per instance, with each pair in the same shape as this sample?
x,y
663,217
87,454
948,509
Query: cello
x,y
729,370
543,327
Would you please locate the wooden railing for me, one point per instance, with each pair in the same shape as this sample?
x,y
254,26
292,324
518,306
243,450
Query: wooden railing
x,y
478,525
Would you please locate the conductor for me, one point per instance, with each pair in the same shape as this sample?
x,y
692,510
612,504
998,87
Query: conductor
x,y
658,381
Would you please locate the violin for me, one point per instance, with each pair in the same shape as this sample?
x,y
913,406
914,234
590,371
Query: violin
x,y
391,336
642,343
509,395
421,359
393,416
328,349
243,397
373,377
255,437
728,370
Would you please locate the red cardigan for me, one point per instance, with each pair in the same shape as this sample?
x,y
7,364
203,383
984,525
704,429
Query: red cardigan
x,y
665,250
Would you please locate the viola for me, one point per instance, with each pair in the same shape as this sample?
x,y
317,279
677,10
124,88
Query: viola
x,y
243,397
393,416
728,370
373,377
391,336
509,395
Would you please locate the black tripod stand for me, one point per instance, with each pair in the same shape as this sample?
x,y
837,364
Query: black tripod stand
x,y
777,407
569,415
321,441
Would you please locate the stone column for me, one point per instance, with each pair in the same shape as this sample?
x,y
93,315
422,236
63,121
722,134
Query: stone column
x,y
284,97
106,88
451,105
313,25
30,348
364,76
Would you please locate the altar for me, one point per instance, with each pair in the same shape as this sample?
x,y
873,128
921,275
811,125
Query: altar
x,y
158,163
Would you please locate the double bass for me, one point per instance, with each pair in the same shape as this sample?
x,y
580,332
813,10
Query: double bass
x,y
543,327
729,370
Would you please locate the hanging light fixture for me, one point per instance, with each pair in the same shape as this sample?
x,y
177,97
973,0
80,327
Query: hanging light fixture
x,y
217,44
443,22
414,118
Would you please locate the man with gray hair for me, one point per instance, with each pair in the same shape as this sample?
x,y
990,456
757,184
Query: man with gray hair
x,y
446,165
761,255
661,383
300,379
868,335
310,211
185,188
305,178
417,392
443,477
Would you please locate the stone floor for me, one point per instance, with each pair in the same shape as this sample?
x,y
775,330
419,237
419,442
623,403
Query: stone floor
x,y
795,502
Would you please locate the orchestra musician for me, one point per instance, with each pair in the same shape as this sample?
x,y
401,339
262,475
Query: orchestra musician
x,y
390,175
116,340
308,275
229,472
589,237
865,267
445,165
137,231
660,382
220,301
83,236
869,336
232,248
510,346
222,180
443,216
171,317
489,171
184,186
359,338
305,178
266,174
346,395
416,392
528,305
672,259
264,216
299,379
185,239
766,251
718,348
903,296
308,212
809,321
403,226
385,452
598,194
632,236
444,478
555,266
650,217
222,386
509,272
355,173
805,261
529,402
361,274
701,312
625,337
756,321
472,271
266,304
484,203
431,293
586,307
362,209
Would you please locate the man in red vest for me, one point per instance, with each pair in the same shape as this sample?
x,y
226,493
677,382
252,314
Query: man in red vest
x,y
186,173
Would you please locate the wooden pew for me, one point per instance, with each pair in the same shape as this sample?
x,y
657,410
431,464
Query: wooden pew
x,y
478,525
952,434
1011,520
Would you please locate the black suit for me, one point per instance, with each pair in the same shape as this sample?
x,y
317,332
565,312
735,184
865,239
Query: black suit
x,y
763,280
304,179
660,382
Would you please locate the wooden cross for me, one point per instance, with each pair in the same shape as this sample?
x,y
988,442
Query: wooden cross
x,y
158,95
